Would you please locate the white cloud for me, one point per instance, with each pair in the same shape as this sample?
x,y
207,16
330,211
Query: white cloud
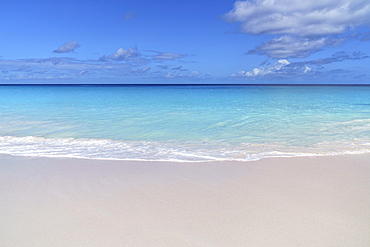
x,y
281,68
67,47
288,46
134,55
301,18
307,69
122,54
300,27
284,68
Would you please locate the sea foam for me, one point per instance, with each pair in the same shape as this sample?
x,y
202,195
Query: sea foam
x,y
157,151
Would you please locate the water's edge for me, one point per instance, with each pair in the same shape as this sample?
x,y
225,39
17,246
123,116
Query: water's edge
x,y
176,152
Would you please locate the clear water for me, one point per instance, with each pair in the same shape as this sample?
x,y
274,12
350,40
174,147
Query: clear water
x,y
183,123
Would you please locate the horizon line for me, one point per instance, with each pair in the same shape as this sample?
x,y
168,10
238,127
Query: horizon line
x,y
178,84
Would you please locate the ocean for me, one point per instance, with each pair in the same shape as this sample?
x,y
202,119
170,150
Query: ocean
x,y
184,122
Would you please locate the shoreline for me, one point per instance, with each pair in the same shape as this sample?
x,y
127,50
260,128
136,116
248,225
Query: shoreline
x,y
115,150
294,201
220,160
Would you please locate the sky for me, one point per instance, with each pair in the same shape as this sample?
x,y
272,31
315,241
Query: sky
x,y
193,41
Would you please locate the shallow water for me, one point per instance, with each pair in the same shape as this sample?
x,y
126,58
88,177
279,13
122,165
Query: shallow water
x,y
184,123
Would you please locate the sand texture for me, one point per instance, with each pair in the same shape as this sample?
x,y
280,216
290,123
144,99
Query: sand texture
x,y
308,201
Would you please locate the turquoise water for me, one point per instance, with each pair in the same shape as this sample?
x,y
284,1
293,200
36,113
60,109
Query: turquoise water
x,y
183,123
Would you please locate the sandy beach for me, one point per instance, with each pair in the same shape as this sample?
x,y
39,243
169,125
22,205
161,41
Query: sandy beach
x,y
306,201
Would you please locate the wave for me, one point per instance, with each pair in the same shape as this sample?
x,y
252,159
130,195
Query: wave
x,y
169,151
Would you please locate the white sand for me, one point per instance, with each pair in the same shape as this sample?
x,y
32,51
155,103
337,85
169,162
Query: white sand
x,y
312,201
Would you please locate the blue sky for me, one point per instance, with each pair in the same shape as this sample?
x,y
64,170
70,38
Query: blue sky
x,y
193,41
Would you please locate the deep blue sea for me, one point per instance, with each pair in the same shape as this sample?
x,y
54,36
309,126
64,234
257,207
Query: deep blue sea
x,y
183,122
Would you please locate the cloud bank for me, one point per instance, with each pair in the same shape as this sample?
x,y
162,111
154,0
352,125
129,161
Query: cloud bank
x,y
301,18
122,63
284,68
300,27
